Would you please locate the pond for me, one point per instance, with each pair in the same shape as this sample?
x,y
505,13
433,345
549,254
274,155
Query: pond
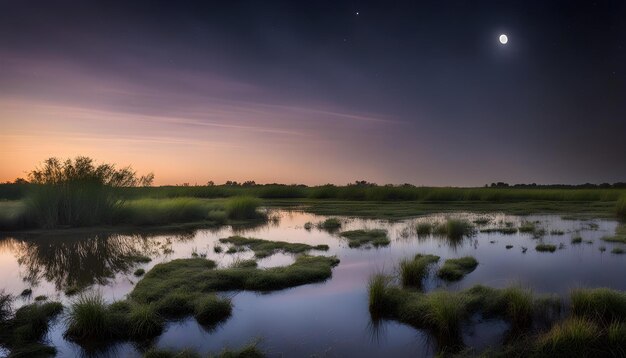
x,y
328,318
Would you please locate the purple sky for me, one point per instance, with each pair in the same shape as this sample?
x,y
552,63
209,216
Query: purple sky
x,y
312,93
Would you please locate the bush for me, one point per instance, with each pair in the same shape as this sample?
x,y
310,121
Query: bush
x,y
76,192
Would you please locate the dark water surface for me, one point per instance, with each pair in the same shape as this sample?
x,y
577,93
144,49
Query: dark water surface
x,y
326,319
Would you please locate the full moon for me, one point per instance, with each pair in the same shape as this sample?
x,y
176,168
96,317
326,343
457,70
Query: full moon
x,y
503,39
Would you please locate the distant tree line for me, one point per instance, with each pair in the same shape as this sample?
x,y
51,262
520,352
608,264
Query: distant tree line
x,y
148,180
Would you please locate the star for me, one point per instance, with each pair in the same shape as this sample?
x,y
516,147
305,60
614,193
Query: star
x,y
357,13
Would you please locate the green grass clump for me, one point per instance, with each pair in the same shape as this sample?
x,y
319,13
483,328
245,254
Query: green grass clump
x,y
599,304
308,225
545,248
374,237
243,208
210,309
22,332
377,292
198,275
90,320
577,239
557,232
239,263
454,228
618,239
139,272
456,269
265,248
528,227
144,321
574,337
412,272
424,228
330,224
443,312
617,251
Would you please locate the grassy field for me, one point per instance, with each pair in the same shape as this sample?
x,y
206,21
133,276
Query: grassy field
x,y
143,206
357,192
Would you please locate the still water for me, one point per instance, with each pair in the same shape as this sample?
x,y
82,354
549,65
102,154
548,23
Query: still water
x,y
323,319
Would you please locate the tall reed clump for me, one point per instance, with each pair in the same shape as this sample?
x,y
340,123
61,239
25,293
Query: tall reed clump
x,y
413,272
377,291
455,228
77,192
243,207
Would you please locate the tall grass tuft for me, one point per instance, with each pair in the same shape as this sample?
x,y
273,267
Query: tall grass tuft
x,y
377,293
571,338
88,319
455,228
413,272
210,309
601,304
244,207
456,269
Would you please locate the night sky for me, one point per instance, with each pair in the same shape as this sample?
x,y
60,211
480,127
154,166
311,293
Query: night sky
x,y
318,91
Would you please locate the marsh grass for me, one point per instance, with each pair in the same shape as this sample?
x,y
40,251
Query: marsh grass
x,y
599,304
545,248
377,291
243,208
139,272
330,224
413,272
23,331
265,248
618,251
363,237
424,228
88,319
200,276
454,228
144,322
210,309
166,211
239,263
456,269
527,226
575,337
577,240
